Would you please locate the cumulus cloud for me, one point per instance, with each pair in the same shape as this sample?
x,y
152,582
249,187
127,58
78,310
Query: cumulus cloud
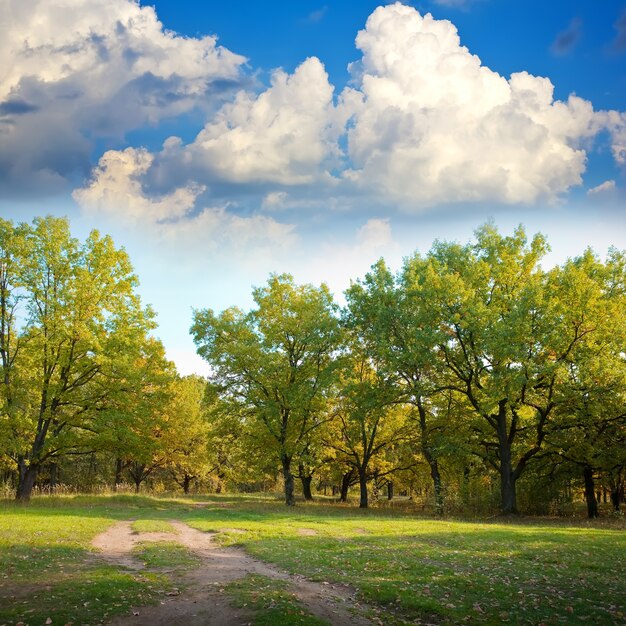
x,y
116,190
431,124
615,123
423,123
374,235
284,135
74,71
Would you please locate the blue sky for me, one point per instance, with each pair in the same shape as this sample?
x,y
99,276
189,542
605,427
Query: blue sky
x,y
219,142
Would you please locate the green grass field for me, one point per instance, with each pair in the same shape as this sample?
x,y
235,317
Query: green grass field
x,y
410,569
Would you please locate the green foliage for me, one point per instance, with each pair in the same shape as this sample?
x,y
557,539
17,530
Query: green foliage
x,y
275,364
71,332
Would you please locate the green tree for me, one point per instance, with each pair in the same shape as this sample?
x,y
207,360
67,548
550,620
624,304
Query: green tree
x,y
185,439
397,330
368,421
133,421
487,302
589,429
71,319
276,362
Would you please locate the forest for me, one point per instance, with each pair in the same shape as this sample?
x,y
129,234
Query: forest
x,y
473,380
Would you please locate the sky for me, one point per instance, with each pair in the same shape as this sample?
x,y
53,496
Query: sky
x,y
220,142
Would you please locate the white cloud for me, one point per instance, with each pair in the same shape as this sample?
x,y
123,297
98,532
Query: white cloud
x,y
425,123
433,125
116,188
615,122
283,135
607,186
374,235
75,70
274,200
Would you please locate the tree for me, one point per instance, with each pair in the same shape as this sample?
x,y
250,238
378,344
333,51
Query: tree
x,y
276,362
589,429
495,337
393,323
185,437
369,422
70,320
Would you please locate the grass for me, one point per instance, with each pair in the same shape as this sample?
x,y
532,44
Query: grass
x,y
450,572
271,602
47,569
410,569
152,526
165,555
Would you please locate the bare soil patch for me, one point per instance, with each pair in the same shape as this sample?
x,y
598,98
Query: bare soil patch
x,y
203,600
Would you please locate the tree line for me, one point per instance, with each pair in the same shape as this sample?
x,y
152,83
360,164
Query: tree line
x,y
470,372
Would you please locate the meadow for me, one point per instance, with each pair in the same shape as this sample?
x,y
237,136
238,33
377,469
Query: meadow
x,y
407,569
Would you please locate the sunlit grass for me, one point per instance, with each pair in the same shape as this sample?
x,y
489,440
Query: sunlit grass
x,y
411,568
270,602
152,526
165,554
446,571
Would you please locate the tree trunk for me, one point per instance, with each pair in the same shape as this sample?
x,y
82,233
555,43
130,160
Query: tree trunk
x,y
119,468
186,482
363,503
54,471
430,459
615,499
290,499
346,480
590,492
465,485
508,491
508,495
390,490
28,476
306,486
138,474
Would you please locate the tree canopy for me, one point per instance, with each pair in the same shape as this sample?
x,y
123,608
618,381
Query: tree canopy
x,y
472,375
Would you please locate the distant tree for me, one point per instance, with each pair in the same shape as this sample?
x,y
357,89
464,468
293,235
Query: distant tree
x,y
185,440
368,422
388,316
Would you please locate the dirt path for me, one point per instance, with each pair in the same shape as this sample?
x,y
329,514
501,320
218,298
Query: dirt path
x,y
203,601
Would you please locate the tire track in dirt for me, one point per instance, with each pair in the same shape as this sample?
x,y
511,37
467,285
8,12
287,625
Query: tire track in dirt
x,y
203,601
